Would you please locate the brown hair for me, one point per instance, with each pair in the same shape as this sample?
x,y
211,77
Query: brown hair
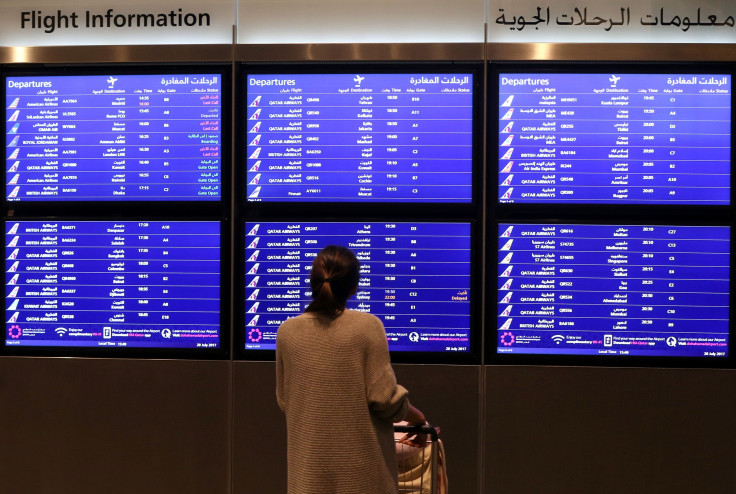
x,y
335,273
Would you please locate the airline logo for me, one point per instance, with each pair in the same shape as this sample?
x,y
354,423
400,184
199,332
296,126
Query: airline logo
x,y
508,180
14,104
507,324
14,305
254,230
256,115
14,180
13,229
507,298
254,243
255,128
14,267
507,245
13,280
507,168
14,292
508,114
254,321
254,283
507,129
507,285
14,142
14,242
254,269
255,180
254,295
507,272
507,154
14,317
508,101
14,154
255,167
14,167
15,128
256,101
507,311
254,256
254,308
507,194
254,155
14,116
255,140
508,140
508,231
507,259
255,192
13,255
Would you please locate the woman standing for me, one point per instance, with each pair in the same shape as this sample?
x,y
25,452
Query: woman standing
x,y
337,388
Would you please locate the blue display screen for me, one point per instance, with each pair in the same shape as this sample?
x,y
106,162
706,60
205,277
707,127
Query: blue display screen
x,y
360,137
114,137
613,290
152,284
414,276
614,138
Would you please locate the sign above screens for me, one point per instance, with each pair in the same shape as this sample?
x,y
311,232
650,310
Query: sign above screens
x,y
401,264
114,137
360,137
134,22
600,21
632,290
354,21
614,138
113,284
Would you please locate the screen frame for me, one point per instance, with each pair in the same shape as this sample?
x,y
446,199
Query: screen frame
x,y
220,207
492,302
495,69
221,353
472,357
243,70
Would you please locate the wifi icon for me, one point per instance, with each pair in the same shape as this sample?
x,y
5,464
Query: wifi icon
x,y
558,338
61,331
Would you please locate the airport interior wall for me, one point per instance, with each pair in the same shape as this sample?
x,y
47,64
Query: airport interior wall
x,y
91,425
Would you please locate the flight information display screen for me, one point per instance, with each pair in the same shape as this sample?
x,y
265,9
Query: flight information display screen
x,y
113,137
613,290
146,284
614,138
414,276
360,137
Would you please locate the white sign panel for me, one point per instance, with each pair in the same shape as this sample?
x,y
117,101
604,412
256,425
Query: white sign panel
x,y
357,21
134,22
603,21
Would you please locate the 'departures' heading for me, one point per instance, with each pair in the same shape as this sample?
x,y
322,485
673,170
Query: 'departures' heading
x,y
37,19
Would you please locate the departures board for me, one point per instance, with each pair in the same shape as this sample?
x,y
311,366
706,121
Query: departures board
x,y
114,137
360,137
625,290
415,276
113,284
614,138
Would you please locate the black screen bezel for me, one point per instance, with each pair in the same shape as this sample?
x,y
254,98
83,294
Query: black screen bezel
x,y
243,70
470,357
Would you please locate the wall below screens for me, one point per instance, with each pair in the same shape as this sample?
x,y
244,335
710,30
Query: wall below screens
x,y
83,426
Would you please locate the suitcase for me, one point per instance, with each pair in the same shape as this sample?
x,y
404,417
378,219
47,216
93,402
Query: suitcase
x,y
421,469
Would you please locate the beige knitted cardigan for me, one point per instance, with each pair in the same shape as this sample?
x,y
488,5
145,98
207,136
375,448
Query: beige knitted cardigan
x,y
339,393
